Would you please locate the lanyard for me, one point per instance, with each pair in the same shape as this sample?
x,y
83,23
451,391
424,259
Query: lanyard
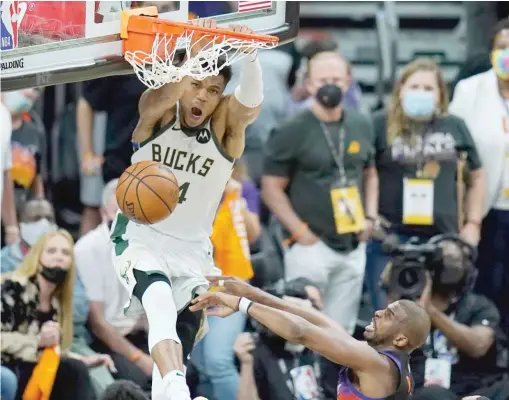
x,y
337,155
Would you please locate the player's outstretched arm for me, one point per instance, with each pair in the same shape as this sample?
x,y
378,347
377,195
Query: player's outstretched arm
x,y
240,288
334,344
244,105
153,105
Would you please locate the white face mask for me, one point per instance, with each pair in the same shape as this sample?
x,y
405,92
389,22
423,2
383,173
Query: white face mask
x,y
31,231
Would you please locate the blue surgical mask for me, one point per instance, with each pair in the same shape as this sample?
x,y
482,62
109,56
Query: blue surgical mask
x,y
418,103
17,102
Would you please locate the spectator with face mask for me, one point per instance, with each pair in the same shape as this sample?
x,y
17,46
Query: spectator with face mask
x,y
37,314
37,218
27,143
483,102
422,156
326,150
300,96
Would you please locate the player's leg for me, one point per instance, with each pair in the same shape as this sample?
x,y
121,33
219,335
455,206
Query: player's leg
x,y
188,325
145,276
154,291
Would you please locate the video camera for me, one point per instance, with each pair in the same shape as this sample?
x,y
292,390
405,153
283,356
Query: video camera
x,y
412,261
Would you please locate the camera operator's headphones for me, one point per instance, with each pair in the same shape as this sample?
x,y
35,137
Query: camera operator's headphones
x,y
467,276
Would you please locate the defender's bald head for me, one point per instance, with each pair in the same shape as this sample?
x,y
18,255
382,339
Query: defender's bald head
x,y
416,325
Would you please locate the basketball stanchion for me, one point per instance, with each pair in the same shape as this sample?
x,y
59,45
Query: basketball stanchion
x,y
153,47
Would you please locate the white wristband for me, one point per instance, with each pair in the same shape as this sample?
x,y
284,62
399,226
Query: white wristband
x,y
244,305
249,93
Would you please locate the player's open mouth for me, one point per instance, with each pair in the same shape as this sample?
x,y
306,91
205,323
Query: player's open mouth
x,y
370,327
196,112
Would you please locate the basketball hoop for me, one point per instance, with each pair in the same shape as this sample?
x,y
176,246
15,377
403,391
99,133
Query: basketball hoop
x,y
151,45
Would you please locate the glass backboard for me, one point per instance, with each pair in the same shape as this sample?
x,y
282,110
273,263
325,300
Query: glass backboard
x,y
49,42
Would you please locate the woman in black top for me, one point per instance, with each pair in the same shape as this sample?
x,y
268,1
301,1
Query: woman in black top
x,y
36,301
420,150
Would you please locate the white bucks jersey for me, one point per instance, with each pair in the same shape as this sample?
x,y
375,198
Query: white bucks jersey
x,y
202,169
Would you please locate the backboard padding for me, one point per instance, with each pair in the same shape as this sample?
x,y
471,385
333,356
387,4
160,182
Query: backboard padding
x,y
61,42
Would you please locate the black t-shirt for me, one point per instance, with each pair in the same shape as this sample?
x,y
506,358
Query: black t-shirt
x,y
298,150
118,96
27,144
444,138
467,374
272,368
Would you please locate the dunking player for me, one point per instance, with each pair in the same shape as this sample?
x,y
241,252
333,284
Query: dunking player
x,y
197,132
375,369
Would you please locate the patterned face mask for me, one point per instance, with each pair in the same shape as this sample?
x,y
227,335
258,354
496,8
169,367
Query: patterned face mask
x,y
500,63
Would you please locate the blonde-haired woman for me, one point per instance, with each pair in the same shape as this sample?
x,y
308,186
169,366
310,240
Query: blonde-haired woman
x,y
36,301
419,151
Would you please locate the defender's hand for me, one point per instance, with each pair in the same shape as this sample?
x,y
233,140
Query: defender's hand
x,y
224,304
232,285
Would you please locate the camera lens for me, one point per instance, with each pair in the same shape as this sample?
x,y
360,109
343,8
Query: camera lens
x,y
408,277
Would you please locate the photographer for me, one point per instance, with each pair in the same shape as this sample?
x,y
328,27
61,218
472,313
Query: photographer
x,y
267,360
465,353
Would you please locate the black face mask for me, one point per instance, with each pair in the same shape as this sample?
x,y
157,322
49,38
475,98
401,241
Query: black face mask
x,y
54,275
329,96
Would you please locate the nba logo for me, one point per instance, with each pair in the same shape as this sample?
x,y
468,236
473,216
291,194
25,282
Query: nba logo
x,y
12,15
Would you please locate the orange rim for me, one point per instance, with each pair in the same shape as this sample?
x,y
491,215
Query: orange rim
x,y
139,31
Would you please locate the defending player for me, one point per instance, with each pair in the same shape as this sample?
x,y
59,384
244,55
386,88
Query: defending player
x,y
197,132
375,369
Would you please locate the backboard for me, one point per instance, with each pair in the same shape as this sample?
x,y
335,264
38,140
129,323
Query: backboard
x,y
49,42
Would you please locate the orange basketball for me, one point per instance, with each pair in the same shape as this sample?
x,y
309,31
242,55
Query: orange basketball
x,y
147,192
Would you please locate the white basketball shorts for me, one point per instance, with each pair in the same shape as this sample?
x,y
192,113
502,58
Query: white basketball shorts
x,y
185,263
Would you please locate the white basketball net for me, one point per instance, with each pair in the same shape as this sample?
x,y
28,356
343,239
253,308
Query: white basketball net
x,y
156,69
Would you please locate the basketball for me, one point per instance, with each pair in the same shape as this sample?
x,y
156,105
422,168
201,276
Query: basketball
x,y
147,192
